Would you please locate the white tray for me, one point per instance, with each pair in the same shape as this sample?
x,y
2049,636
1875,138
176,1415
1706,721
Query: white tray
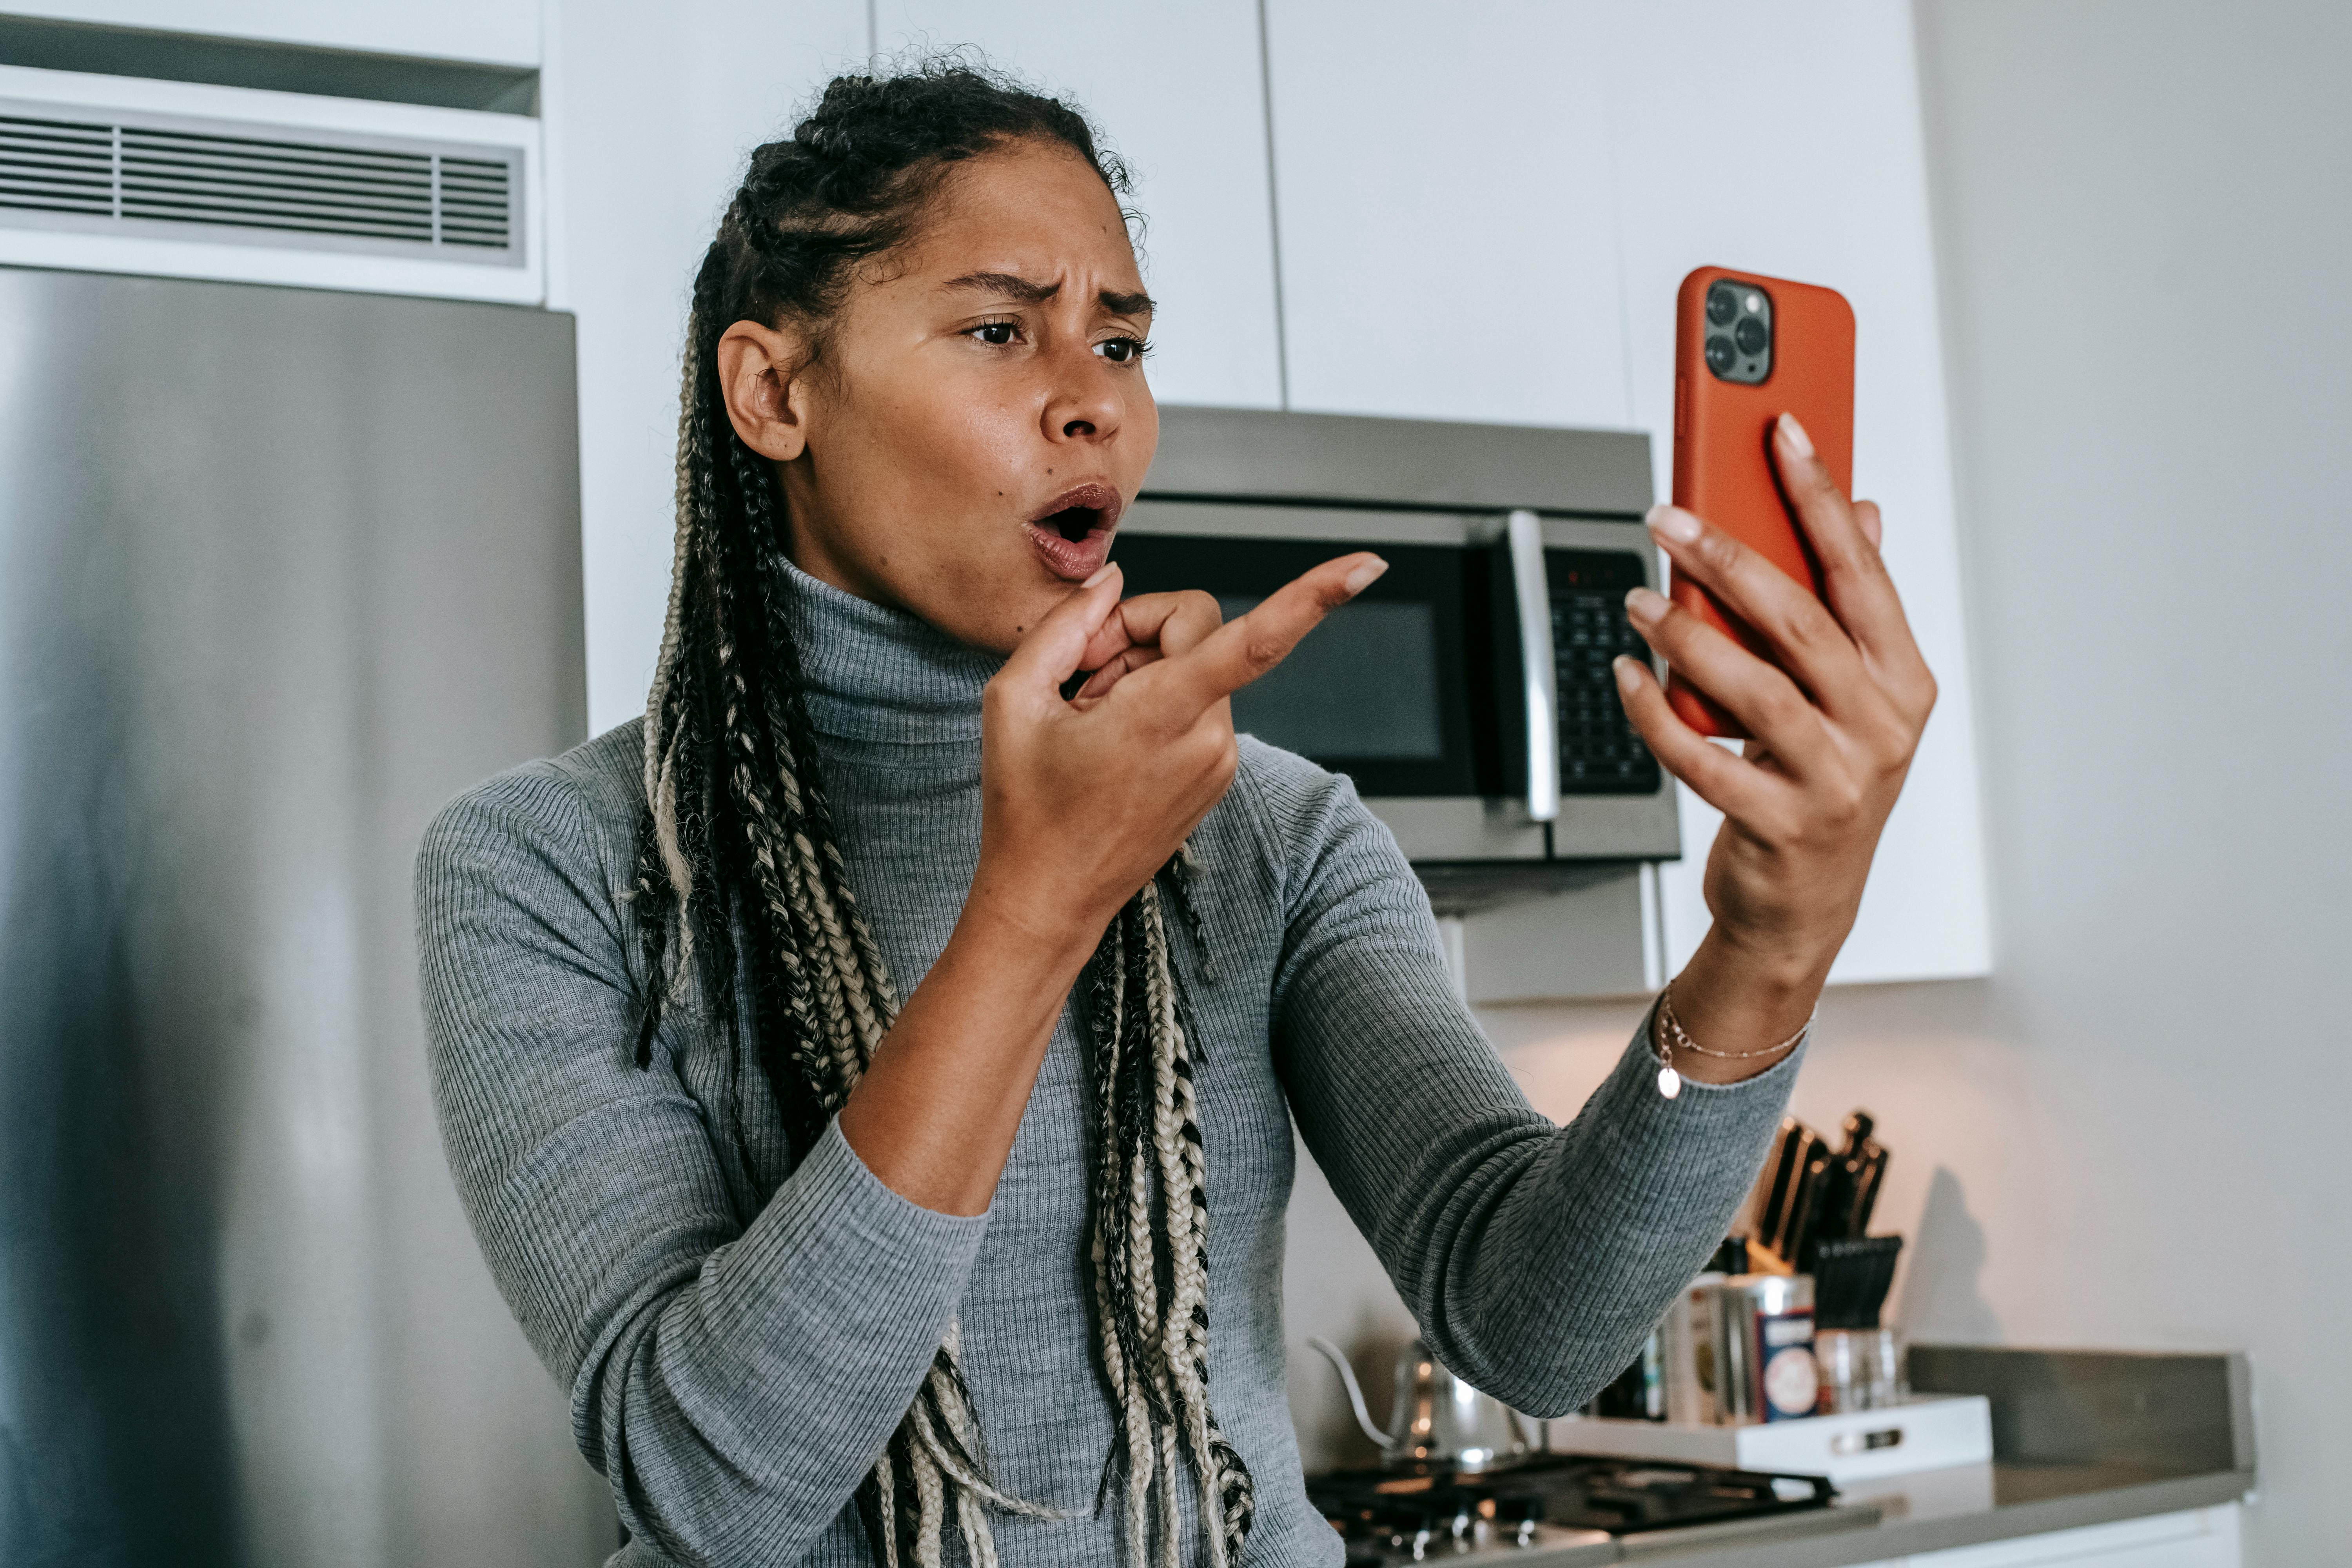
x,y
1925,1435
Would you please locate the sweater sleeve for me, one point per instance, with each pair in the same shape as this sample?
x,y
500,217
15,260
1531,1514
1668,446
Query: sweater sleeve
x,y
733,1380
1535,1257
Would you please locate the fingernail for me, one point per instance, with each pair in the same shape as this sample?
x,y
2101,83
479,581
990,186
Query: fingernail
x,y
1644,607
1628,675
1364,576
1794,434
1672,522
1107,568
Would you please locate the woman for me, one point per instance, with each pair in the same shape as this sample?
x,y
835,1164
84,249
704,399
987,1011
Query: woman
x,y
837,1271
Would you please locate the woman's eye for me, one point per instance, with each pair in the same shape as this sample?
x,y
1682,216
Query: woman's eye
x,y
1122,351
996,335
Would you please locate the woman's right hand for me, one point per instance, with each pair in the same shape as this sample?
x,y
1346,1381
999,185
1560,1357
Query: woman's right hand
x,y
1083,799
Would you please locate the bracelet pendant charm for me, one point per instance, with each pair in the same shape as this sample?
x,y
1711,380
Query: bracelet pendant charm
x,y
1664,1026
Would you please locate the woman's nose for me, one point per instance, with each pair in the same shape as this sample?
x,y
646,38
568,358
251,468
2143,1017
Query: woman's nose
x,y
1086,403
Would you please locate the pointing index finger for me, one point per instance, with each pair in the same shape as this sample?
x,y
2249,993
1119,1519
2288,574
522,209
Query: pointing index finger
x,y
1245,648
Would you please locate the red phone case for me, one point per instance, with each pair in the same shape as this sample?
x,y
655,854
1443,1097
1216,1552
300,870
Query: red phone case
x,y
1723,431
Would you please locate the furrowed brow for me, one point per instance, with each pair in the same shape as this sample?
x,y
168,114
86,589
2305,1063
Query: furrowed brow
x,y
1012,285
1119,304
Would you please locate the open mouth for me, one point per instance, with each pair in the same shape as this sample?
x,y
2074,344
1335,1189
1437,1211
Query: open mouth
x,y
1072,523
1072,535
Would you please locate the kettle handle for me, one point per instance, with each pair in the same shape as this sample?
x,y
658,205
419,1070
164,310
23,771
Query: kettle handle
x,y
1339,1361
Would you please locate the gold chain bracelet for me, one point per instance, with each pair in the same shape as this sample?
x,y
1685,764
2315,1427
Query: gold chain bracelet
x,y
1669,1082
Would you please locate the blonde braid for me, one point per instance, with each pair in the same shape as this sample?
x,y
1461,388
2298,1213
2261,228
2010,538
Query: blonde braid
x,y
738,856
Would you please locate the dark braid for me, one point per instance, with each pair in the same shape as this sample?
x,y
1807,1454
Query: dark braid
x,y
739,870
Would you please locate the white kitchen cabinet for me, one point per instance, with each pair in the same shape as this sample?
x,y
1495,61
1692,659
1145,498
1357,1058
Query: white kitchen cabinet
x,y
2199,1538
1449,239
1485,214
650,113
506,32
1174,85
1789,141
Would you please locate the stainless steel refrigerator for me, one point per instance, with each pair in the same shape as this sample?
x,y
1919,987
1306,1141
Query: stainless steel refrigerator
x,y
280,571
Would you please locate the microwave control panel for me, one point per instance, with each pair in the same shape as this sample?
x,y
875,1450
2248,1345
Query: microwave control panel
x,y
1600,752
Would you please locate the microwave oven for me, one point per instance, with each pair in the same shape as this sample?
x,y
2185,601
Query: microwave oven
x,y
1468,693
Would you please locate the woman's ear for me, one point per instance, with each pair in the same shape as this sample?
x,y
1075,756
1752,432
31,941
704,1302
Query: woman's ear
x,y
761,377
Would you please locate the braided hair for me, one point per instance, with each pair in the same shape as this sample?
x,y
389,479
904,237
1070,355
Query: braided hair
x,y
739,870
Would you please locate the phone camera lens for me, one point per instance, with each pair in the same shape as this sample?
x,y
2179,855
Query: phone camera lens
x,y
1751,335
1722,305
1720,354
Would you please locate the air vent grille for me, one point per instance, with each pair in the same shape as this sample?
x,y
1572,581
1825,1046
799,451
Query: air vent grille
x,y
181,177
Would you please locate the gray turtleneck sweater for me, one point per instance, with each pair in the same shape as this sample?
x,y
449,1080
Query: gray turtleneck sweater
x,y
735,1362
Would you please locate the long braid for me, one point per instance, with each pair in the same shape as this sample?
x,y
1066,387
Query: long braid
x,y
737,861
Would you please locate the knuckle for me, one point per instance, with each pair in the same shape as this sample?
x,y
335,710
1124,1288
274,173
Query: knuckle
x,y
1842,801
1202,603
1809,631
1780,705
1719,550
1262,652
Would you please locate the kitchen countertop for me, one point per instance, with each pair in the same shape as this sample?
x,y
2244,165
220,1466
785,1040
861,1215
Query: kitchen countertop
x,y
2079,1438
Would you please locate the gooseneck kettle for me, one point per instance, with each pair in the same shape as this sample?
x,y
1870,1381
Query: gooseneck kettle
x,y
1436,1420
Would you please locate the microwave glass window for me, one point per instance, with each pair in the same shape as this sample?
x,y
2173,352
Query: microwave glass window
x,y
1362,684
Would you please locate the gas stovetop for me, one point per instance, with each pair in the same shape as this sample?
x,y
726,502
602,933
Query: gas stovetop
x,y
1557,1510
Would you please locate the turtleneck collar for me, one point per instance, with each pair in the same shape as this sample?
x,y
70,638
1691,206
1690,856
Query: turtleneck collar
x,y
878,674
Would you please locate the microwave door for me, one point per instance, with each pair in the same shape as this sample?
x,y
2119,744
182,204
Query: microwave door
x,y
1380,691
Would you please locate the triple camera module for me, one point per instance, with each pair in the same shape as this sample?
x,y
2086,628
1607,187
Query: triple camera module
x,y
1739,331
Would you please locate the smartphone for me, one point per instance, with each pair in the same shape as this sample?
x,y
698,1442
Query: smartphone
x,y
1748,349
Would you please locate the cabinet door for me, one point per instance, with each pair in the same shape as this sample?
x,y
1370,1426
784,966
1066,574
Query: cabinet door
x,y
505,31
2203,1538
1175,87
1449,239
1485,212
649,117
1788,141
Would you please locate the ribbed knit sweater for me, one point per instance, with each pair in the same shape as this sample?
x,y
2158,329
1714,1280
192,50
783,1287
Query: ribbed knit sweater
x,y
740,1330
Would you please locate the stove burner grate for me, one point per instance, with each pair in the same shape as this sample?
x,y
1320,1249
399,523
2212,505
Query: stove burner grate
x,y
1412,1513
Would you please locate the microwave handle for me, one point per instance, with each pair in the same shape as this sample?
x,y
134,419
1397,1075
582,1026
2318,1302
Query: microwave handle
x,y
1540,675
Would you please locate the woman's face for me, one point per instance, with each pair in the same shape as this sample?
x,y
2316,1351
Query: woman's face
x,y
978,418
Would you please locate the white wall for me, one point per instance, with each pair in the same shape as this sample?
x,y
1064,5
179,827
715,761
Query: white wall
x,y
2131,1135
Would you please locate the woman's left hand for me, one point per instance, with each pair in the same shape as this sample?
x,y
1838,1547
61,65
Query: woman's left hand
x,y
1835,722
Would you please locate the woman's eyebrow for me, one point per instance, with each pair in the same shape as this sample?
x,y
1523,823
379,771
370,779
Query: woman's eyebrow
x,y
1013,286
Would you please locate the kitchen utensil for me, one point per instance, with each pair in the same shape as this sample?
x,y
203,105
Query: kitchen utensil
x,y
1866,1160
1809,1193
1861,1369
1798,1154
1435,1419
1851,1278
1763,1344
1805,1204
1849,1189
